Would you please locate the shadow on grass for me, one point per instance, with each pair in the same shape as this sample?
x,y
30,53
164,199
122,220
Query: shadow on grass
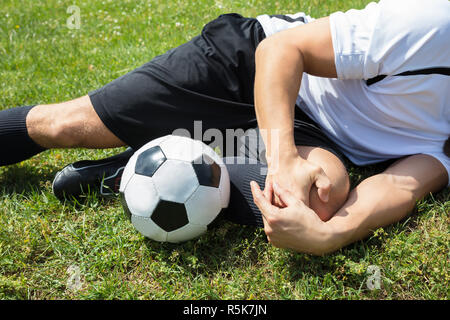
x,y
26,178
224,247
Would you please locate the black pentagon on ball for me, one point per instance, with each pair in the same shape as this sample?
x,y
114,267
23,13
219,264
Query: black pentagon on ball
x,y
170,216
149,161
208,172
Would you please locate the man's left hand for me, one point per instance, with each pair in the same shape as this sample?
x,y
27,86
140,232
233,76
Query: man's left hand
x,y
295,225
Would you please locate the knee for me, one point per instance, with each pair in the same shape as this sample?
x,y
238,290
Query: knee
x,y
338,195
338,175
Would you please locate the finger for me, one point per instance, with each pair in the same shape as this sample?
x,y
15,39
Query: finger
x,y
258,197
256,191
274,199
278,202
323,185
268,191
285,195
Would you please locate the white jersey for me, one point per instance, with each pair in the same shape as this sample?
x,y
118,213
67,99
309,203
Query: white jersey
x,y
399,115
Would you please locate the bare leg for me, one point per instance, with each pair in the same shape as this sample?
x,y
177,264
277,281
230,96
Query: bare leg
x,y
69,124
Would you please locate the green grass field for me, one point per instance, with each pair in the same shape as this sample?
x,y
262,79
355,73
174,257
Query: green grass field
x,y
42,240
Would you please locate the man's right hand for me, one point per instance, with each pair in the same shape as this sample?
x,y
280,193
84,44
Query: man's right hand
x,y
298,176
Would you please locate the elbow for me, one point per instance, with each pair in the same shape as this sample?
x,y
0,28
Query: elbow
x,y
264,46
277,45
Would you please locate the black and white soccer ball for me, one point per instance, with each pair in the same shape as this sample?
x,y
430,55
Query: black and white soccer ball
x,y
173,187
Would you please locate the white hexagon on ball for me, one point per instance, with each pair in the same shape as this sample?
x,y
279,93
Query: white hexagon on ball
x,y
141,196
181,148
203,206
187,232
148,228
175,181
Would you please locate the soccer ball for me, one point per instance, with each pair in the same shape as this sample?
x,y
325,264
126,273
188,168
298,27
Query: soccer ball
x,y
173,187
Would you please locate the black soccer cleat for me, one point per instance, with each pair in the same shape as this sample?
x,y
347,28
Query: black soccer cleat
x,y
81,177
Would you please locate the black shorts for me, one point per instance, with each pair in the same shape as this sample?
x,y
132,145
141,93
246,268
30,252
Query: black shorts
x,y
208,79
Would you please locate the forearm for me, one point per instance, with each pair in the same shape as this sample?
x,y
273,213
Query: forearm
x,y
371,205
281,61
279,67
384,199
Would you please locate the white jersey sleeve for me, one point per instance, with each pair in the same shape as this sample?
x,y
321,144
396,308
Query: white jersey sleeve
x,y
374,41
272,24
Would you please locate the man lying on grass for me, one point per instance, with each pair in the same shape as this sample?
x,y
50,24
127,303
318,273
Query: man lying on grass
x,y
366,85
